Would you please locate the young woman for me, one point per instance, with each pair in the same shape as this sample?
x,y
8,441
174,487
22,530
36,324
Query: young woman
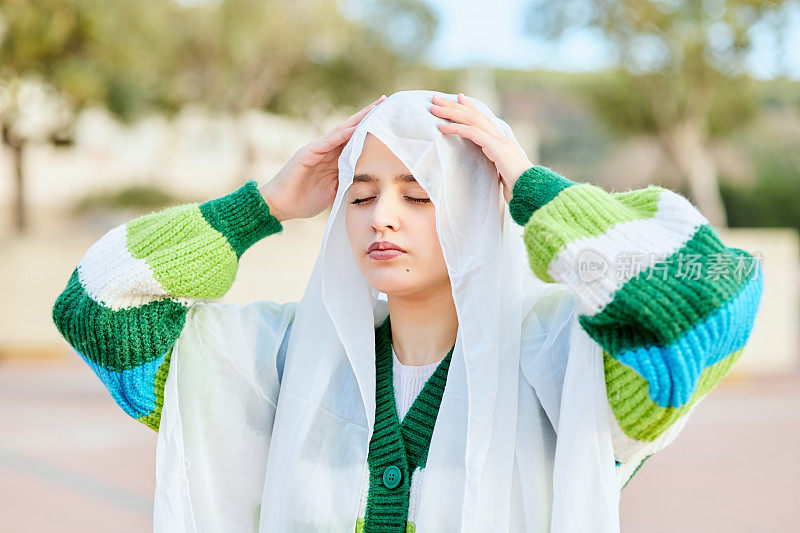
x,y
471,353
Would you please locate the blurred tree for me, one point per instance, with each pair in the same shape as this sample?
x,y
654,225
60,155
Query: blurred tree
x,y
74,53
299,58
132,56
679,76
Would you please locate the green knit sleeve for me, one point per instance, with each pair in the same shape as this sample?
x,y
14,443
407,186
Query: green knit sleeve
x,y
669,303
126,302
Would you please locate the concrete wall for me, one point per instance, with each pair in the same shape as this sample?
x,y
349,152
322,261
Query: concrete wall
x,y
194,156
774,345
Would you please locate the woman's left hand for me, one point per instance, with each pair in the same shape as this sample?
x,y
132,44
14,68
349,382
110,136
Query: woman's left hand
x,y
470,123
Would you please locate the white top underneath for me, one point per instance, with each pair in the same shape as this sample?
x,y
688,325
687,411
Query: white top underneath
x,y
408,381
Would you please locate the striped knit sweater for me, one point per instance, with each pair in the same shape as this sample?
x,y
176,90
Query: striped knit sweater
x,y
667,338
673,311
126,302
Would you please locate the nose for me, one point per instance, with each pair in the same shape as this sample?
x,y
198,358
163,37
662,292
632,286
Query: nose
x,y
384,215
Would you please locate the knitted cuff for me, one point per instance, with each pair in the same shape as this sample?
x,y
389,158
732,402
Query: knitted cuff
x,y
534,188
242,216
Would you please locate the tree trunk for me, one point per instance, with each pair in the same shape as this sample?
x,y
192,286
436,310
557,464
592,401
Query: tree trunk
x,y
20,221
17,148
686,146
249,153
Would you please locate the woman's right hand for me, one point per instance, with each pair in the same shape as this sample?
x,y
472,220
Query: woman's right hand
x,y
308,183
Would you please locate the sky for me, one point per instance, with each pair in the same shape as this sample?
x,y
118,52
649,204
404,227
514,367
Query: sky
x,y
489,33
475,32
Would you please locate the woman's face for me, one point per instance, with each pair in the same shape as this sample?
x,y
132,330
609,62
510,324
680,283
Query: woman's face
x,y
383,208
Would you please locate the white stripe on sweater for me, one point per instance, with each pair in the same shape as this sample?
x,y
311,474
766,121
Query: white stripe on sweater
x,y
672,226
113,277
630,452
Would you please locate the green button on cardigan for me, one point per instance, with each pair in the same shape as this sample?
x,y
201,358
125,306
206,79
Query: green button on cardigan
x,y
395,447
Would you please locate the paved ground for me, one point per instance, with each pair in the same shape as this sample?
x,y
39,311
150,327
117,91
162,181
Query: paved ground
x,y
735,468
71,461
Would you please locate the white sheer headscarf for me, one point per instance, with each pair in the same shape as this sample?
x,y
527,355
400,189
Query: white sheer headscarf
x,y
269,408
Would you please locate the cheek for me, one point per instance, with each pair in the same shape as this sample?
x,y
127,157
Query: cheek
x,y
351,227
358,230
430,240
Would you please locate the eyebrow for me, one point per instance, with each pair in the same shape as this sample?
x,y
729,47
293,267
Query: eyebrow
x,y
369,178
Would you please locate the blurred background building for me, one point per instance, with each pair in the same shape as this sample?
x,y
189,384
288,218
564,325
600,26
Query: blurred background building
x,y
109,110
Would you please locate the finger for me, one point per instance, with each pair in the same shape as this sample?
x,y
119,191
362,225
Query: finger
x,y
452,113
376,102
474,134
462,103
465,116
333,139
356,118
462,98
443,101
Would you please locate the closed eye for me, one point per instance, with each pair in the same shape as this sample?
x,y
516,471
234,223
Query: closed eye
x,y
364,200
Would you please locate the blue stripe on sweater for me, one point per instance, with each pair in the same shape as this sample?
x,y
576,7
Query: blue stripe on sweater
x,y
133,389
673,372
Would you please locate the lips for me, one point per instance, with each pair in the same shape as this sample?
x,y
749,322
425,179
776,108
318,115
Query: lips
x,y
384,245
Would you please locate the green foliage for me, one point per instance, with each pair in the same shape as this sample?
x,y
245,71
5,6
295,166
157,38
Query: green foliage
x,y
136,197
779,94
295,58
91,51
772,201
406,27
629,104
619,102
137,56
675,61
733,105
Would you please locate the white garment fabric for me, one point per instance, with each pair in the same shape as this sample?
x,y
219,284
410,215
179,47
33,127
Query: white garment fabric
x,y
269,408
408,381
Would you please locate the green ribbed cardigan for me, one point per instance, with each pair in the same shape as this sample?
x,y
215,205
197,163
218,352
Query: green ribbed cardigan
x,y
398,448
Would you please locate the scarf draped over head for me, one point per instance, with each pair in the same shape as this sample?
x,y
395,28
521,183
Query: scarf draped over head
x,y
273,405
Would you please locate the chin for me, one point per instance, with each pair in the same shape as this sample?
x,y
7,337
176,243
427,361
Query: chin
x,y
400,282
392,281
